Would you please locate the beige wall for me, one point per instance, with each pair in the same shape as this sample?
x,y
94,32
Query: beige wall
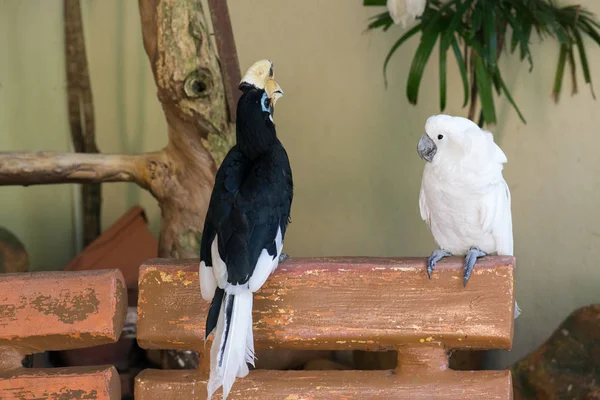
x,y
351,142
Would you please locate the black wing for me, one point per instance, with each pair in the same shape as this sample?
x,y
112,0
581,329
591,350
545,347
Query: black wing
x,y
250,201
261,207
227,183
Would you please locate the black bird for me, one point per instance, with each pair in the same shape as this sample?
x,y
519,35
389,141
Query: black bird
x,y
245,226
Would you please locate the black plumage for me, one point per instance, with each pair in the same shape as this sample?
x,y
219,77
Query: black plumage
x,y
251,198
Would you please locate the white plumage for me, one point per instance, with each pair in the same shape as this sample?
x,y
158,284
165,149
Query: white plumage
x,y
464,198
237,353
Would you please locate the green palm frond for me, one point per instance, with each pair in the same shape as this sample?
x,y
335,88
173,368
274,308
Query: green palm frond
x,y
486,29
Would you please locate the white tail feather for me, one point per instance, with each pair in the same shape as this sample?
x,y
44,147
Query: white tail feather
x,y
250,345
236,350
215,379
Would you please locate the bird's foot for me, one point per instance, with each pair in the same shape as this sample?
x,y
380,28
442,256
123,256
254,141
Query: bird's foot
x,y
472,255
283,257
434,258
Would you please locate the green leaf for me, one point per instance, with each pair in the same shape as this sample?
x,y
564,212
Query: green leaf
x,y
484,86
476,19
458,15
374,3
444,43
560,72
525,47
584,61
496,82
380,20
490,34
508,95
590,31
398,43
560,32
415,75
462,68
571,59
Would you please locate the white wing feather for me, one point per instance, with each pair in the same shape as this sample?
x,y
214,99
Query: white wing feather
x,y
423,207
208,283
496,218
495,206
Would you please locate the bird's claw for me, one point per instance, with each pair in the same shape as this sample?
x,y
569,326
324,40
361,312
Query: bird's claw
x,y
434,258
283,257
471,258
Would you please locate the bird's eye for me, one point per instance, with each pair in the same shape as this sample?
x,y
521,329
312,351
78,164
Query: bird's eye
x,y
440,137
265,103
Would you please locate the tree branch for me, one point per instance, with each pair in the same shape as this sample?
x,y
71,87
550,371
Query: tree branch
x,y
80,102
81,113
228,59
48,168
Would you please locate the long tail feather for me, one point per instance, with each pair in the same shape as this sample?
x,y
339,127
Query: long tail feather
x,y
214,312
230,349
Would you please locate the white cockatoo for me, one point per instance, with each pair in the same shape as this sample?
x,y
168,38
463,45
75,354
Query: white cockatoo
x,y
464,198
405,12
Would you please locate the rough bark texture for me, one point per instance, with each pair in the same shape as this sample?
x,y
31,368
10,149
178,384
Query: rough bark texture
x,y
81,113
191,92
49,168
61,310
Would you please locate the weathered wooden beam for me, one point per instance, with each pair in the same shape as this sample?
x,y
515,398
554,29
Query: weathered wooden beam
x,y
330,385
342,303
98,383
61,310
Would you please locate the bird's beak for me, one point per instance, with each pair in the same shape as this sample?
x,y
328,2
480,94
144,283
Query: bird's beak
x,y
426,148
274,91
258,74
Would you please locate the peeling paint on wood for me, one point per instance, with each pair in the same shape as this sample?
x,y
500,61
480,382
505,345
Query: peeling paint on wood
x,y
68,307
61,310
341,303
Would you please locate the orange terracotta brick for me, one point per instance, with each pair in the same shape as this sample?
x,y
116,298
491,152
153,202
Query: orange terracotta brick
x,y
342,303
98,383
61,310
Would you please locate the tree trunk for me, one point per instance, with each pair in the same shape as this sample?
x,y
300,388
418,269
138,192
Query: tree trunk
x,y
190,89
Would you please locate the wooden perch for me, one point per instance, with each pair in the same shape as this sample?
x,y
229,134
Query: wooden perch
x,y
331,385
98,383
59,311
342,303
